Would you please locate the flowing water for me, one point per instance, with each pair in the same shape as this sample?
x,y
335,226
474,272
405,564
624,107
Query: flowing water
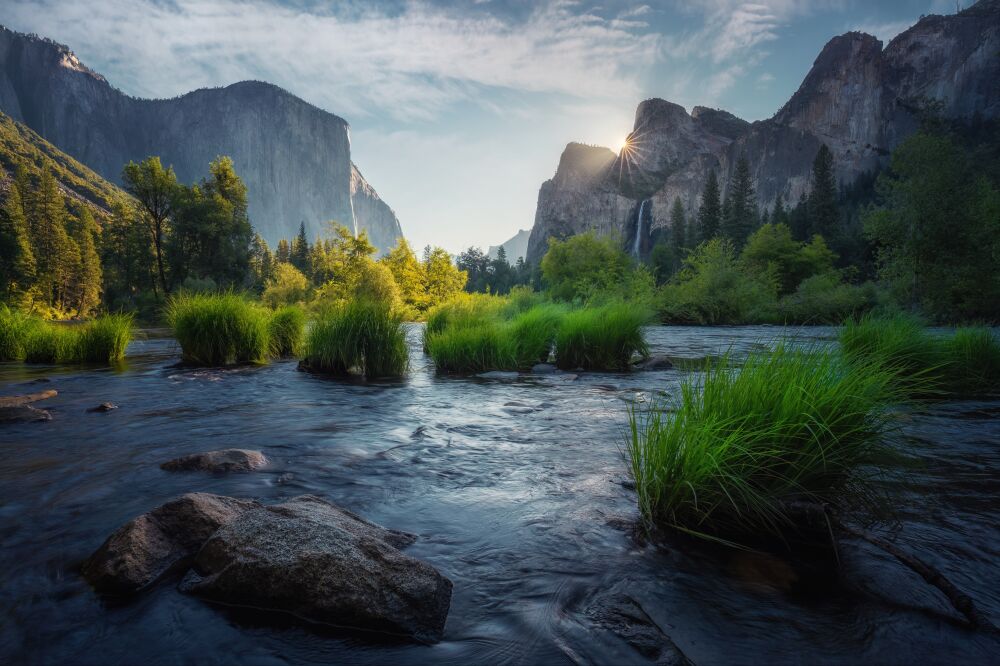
x,y
515,488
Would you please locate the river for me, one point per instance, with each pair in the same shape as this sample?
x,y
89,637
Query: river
x,y
515,488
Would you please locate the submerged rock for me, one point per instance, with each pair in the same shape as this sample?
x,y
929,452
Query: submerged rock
x,y
17,408
224,460
104,407
543,369
498,374
653,363
624,617
154,543
321,563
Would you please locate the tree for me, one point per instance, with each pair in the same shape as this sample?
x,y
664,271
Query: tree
x,y
798,219
155,188
477,265
741,206
444,279
408,274
286,286
678,228
126,255
710,212
55,253
17,261
582,265
501,275
299,256
771,252
283,254
86,289
823,215
779,215
261,263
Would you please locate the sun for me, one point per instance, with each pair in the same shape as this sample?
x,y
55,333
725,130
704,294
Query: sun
x,y
621,144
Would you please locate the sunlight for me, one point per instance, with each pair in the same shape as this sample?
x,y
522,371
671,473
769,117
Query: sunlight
x,y
621,144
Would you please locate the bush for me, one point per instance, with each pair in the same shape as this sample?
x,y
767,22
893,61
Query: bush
x,y
826,299
578,267
973,362
360,336
602,338
714,288
286,329
219,329
729,455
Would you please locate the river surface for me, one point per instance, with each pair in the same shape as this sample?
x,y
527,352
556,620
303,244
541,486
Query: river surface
x,y
515,488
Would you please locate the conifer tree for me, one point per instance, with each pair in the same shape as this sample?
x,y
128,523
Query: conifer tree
x,y
778,214
283,254
86,286
55,253
678,226
17,261
823,214
740,217
710,212
299,256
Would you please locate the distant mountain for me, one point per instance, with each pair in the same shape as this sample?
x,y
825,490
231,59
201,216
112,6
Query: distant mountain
x,y
858,99
294,157
19,145
515,248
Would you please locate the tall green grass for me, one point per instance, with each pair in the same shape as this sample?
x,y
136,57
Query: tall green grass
x,y
728,456
219,329
286,331
926,364
465,311
604,338
26,338
361,337
480,348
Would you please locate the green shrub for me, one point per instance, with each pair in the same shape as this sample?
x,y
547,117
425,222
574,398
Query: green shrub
x,y
360,336
286,329
602,338
104,340
728,456
826,299
219,329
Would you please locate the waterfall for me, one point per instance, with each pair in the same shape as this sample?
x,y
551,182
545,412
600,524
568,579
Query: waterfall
x,y
638,230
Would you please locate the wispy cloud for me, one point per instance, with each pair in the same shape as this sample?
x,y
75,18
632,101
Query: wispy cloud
x,y
414,63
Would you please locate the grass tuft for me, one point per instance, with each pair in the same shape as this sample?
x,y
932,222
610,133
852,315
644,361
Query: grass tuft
x,y
27,338
15,330
104,340
286,331
360,337
219,329
603,338
728,456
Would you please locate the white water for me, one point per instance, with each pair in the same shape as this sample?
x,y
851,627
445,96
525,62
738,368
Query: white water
x,y
638,229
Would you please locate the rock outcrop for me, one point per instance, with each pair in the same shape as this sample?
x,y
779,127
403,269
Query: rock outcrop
x,y
313,560
294,157
859,99
18,409
224,460
166,538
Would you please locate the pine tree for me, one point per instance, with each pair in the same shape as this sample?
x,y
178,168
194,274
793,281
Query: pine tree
x,y
741,215
798,220
56,255
17,261
823,214
710,212
779,215
299,256
678,226
283,254
86,287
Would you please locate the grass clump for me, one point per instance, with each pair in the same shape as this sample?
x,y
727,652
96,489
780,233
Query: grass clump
x,y
466,311
486,346
219,329
286,331
603,338
973,362
729,455
362,337
27,338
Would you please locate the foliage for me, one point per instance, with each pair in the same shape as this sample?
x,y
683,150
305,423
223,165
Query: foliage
x,y
739,217
710,211
287,286
826,299
27,338
771,251
219,329
472,348
286,330
358,336
104,339
15,329
725,459
580,266
714,288
604,338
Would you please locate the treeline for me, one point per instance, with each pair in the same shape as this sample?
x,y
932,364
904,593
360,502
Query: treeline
x,y
924,236
493,276
337,269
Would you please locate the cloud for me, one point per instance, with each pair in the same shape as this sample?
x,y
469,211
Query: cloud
x,y
411,64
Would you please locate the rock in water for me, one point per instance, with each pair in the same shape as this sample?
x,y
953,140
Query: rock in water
x,y
15,409
653,363
152,544
321,563
224,460
103,407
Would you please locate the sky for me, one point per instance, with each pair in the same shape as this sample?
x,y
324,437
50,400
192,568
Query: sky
x,y
459,110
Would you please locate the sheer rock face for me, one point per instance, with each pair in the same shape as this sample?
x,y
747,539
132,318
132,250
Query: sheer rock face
x,y
294,157
859,99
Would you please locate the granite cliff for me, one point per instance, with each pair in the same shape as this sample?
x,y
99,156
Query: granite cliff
x,y
294,157
859,99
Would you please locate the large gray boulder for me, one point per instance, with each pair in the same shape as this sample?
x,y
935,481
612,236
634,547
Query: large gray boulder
x,y
321,563
224,460
164,539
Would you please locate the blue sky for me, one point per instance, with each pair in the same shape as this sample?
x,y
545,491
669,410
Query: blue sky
x,y
459,110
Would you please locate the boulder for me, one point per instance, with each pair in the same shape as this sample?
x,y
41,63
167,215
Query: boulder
x,y
624,617
543,369
152,544
17,408
224,460
311,559
103,407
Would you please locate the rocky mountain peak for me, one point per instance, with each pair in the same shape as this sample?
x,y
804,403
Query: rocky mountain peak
x,y
580,164
719,122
